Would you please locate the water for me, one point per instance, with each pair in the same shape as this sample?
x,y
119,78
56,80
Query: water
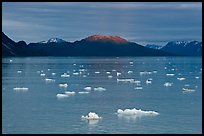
x,y
38,110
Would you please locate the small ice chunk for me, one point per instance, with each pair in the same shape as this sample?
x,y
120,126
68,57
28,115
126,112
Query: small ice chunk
x,y
118,73
154,71
181,78
186,85
69,92
53,74
62,95
38,72
113,70
110,76
99,89
197,77
136,112
63,85
97,72
131,62
170,74
42,74
88,88
10,60
108,72
167,84
19,71
49,80
48,69
187,90
130,72
20,89
83,92
75,73
148,81
84,76
91,116
138,88
65,75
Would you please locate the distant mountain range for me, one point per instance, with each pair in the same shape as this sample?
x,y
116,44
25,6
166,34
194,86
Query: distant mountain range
x,y
95,45
190,48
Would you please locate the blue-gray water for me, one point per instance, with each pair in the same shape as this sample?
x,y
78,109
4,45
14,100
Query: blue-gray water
x,y
38,110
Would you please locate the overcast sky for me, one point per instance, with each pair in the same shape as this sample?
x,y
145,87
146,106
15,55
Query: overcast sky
x,y
141,22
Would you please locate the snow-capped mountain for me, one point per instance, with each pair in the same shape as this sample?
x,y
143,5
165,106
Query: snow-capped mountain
x,y
184,47
53,40
153,46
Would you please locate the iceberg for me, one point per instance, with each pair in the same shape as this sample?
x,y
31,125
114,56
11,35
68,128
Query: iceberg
x,y
49,80
138,88
170,74
62,95
99,89
69,93
63,85
42,74
110,76
19,71
83,92
187,90
20,89
168,84
130,72
136,112
65,75
91,116
181,78
88,88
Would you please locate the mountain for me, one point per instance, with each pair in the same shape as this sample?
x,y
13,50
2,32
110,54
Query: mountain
x,y
153,46
95,45
11,48
53,40
189,48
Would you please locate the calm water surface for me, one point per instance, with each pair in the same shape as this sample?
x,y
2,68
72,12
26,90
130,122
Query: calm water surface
x,y
38,110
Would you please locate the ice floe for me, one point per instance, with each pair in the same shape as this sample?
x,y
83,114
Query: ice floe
x,y
110,76
136,112
83,92
131,62
42,74
118,73
145,73
107,72
91,116
97,72
197,77
69,92
167,84
88,88
65,75
170,74
138,88
62,95
63,85
75,73
19,71
49,80
53,74
10,60
130,72
149,81
99,89
187,90
21,89
181,78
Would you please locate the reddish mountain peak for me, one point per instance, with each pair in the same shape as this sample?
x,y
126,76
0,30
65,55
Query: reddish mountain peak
x,y
107,38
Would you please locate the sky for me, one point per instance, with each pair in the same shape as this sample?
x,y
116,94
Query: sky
x,y
140,22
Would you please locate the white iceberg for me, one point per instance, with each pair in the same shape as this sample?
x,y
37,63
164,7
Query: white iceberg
x,y
53,74
181,78
118,73
19,71
63,85
130,112
10,60
65,75
20,89
187,90
42,74
88,88
91,116
75,73
130,72
170,74
149,81
83,92
69,93
131,62
145,73
197,77
110,76
62,95
167,84
138,88
99,89
48,80
97,72
107,72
